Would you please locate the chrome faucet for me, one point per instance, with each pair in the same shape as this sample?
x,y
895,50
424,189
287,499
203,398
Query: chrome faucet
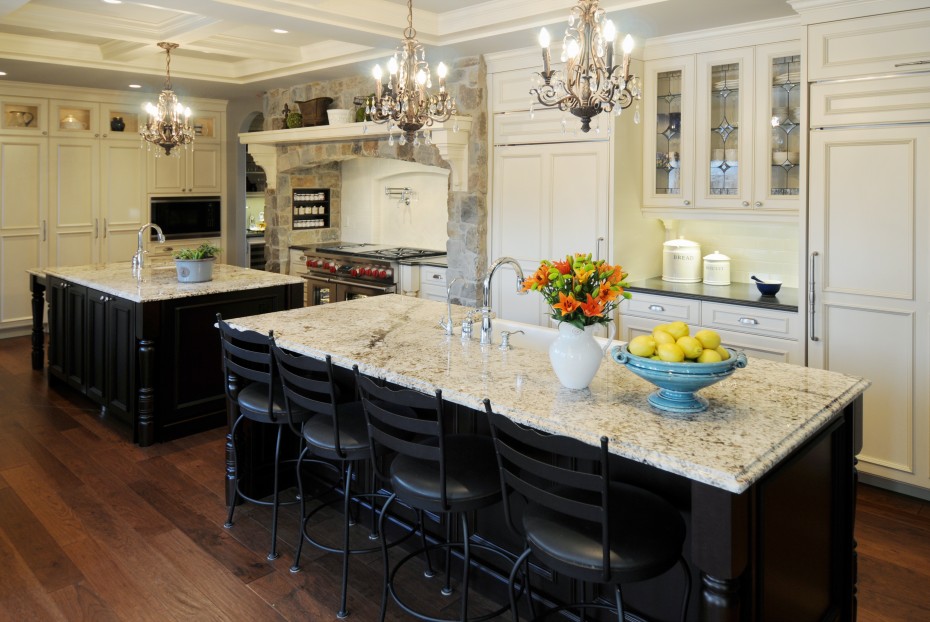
x,y
486,300
138,260
446,323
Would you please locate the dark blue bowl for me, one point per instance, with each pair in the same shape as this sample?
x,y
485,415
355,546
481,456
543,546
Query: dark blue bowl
x,y
769,289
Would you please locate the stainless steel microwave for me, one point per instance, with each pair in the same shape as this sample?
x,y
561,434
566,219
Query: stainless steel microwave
x,y
187,217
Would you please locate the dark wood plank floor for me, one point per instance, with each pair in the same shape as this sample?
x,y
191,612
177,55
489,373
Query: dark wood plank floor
x,y
95,528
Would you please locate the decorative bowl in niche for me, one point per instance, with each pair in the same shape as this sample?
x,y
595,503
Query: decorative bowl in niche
x,y
679,382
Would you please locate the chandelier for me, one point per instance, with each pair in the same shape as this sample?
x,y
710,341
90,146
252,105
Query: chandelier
x,y
168,125
592,83
405,102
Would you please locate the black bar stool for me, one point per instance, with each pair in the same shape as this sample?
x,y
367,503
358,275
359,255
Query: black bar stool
x,y
578,522
336,433
247,358
432,471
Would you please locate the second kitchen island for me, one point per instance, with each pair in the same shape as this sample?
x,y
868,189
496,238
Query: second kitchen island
x,y
765,478
145,348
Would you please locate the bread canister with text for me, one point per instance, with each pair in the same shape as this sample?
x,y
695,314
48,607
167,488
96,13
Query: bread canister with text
x,y
681,261
716,269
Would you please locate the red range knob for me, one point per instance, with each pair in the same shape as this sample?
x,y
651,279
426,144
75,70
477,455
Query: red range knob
x,y
382,273
369,270
388,273
332,268
355,271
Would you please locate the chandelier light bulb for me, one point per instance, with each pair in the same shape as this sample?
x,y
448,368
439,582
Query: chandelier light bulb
x,y
573,49
627,44
392,65
377,73
610,32
544,38
442,71
421,77
168,125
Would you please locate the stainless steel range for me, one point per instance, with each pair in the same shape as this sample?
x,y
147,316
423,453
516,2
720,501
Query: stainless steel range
x,y
351,270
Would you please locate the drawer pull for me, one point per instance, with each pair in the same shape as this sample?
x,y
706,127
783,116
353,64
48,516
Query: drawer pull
x,y
657,308
437,276
916,62
748,321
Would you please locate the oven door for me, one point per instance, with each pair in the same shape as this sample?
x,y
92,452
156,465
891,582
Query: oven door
x,y
319,291
352,290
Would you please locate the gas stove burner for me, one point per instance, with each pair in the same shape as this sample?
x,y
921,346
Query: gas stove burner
x,y
394,253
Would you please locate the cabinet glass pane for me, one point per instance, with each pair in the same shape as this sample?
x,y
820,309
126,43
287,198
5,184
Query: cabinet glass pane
x,y
668,132
20,116
724,129
786,134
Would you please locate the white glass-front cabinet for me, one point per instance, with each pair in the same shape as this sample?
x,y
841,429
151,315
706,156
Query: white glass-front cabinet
x,y
724,130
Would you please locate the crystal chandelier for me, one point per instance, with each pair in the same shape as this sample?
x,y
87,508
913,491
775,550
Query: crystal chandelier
x,y
592,83
405,102
168,125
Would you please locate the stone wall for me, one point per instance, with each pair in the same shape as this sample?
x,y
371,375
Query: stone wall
x,y
467,221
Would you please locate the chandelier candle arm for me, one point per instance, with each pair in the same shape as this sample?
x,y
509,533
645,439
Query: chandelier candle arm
x,y
591,83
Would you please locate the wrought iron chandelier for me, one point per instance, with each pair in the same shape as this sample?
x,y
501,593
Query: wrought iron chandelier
x,y
405,102
592,83
168,125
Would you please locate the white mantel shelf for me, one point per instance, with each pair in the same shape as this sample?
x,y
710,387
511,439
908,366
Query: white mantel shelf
x,y
452,144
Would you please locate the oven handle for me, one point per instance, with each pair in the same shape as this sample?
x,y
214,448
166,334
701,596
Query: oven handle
x,y
327,279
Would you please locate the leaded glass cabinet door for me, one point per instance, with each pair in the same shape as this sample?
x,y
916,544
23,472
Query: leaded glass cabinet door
x,y
780,119
669,132
724,133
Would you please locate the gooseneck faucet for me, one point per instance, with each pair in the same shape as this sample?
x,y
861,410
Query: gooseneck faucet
x,y
138,260
486,300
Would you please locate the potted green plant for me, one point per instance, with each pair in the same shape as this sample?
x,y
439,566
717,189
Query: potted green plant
x,y
195,265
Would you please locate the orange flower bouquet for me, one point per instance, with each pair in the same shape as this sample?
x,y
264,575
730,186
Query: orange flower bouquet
x,y
579,290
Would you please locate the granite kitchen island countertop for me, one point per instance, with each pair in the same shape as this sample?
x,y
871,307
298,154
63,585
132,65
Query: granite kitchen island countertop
x,y
757,416
161,283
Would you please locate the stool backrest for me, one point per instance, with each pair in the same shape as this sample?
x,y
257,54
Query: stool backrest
x,y
563,474
247,356
403,422
309,385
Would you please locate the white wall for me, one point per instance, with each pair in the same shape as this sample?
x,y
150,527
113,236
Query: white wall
x,y
767,250
370,216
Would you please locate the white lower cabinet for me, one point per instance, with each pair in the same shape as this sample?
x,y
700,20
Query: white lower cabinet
x,y
433,283
764,333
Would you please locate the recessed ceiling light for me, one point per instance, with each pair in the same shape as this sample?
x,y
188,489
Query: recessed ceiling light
x,y
279,31
135,86
2,73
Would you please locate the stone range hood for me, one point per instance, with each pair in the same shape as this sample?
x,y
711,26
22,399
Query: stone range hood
x,y
452,143
302,150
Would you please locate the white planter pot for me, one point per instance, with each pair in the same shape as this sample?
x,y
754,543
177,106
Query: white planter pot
x,y
195,270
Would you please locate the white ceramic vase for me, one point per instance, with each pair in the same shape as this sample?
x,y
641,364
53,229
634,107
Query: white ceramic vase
x,y
576,356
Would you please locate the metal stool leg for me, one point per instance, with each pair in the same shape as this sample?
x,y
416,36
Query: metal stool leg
x,y
275,493
235,499
384,556
618,596
429,572
342,613
447,588
303,510
466,566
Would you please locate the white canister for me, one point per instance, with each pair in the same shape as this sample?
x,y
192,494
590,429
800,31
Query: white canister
x,y
681,261
716,269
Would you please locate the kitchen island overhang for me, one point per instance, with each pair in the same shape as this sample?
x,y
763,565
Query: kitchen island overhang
x,y
144,346
775,435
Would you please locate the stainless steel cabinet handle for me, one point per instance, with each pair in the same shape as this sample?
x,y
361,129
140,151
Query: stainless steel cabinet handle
x,y
811,297
687,202
437,276
44,225
102,297
758,203
96,228
104,227
916,62
657,308
597,248
748,321
745,203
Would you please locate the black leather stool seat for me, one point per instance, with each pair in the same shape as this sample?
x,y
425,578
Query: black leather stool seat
x,y
319,433
253,404
471,476
647,534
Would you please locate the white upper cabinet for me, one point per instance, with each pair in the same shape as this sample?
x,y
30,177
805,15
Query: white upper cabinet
x,y
723,130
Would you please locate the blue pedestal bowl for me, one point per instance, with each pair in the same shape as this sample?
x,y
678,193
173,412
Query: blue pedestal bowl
x,y
678,382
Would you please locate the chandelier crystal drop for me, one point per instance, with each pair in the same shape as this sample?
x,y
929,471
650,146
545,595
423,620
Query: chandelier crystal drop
x,y
591,83
405,101
169,122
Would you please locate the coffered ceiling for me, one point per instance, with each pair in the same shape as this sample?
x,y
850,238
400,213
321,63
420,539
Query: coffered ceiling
x,y
229,48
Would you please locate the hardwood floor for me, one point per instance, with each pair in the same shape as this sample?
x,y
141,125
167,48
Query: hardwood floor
x,y
94,528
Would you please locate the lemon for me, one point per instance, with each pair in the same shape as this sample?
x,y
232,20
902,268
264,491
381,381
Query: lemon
x,y
690,346
643,345
661,337
709,356
724,355
670,353
708,338
678,330
660,327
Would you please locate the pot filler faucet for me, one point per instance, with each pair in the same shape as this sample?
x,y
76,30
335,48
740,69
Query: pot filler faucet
x,y
138,260
486,300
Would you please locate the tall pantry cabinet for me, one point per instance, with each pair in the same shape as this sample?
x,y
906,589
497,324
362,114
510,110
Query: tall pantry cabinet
x,y
869,229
